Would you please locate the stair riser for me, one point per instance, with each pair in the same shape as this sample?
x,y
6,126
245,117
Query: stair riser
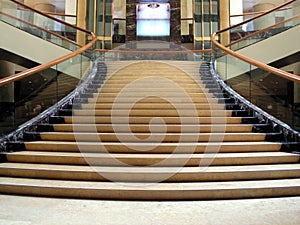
x,y
154,138
121,194
149,177
145,129
165,149
148,120
185,91
161,106
167,162
160,94
155,113
147,99
104,89
154,87
182,83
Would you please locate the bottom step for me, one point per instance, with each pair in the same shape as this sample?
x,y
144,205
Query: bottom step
x,y
149,191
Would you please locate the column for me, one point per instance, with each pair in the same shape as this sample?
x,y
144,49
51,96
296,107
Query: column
x,y
236,8
296,85
224,21
175,22
264,21
119,12
70,9
43,6
130,20
81,21
184,14
296,10
6,92
10,8
8,5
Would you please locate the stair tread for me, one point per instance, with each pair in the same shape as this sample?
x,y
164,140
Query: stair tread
x,y
151,106
153,169
184,147
228,185
159,125
146,159
156,133
152,137
147,119
184,144
155,156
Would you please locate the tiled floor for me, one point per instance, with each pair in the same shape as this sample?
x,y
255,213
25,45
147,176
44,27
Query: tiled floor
x,y
18,210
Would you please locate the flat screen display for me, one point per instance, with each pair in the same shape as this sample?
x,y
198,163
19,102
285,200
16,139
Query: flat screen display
x,y
153,19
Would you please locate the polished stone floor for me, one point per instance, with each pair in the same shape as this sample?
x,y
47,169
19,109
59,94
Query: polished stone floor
x,y
18,210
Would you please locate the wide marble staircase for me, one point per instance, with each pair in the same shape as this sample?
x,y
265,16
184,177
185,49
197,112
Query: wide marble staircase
x,y
152,130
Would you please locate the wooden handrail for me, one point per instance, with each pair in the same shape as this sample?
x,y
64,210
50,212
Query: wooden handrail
x,y
41,28
273,70
37,69
263,30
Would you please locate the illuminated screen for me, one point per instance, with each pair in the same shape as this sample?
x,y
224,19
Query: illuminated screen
x,y
153,19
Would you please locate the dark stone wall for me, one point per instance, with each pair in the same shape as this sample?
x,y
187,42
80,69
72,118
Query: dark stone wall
x,y
175,35
131,20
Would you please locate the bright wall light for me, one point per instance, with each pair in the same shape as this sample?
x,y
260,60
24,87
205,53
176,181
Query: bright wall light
x,y
153,19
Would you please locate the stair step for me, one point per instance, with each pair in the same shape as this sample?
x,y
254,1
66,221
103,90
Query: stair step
x,y
125,80
158,191
185,91
161,106
153,112
187,88
115,159
150,173
138,128
180,148
146,137
163,94
155,99
148,120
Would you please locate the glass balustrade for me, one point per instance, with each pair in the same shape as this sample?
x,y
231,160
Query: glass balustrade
x,y
36,93
41,25
27,98
264,27
277,96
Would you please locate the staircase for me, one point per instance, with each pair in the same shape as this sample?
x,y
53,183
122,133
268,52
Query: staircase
x,y
151,130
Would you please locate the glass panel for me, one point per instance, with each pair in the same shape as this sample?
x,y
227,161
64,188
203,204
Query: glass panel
x,y
275,95
26,98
